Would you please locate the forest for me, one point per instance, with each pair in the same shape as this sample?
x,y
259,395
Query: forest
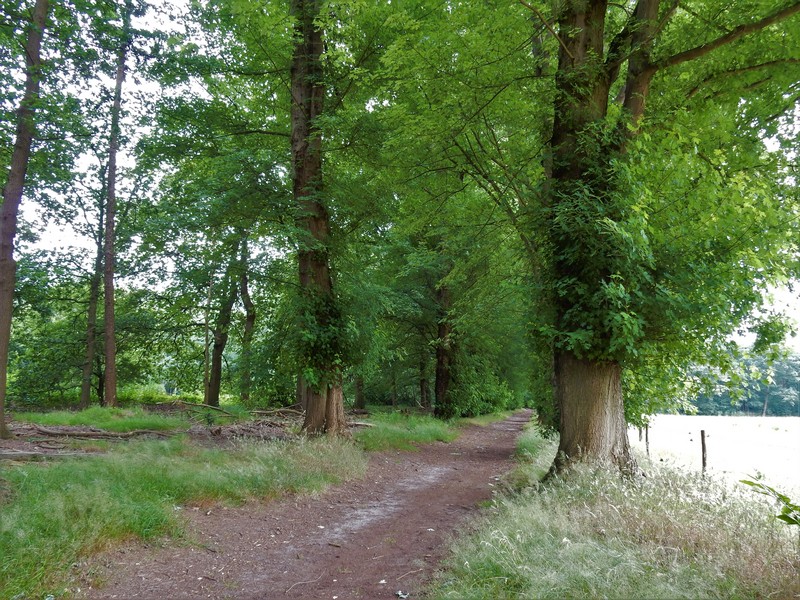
x,y
465,207
453,207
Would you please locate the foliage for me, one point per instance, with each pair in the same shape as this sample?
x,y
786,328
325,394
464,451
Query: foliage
x,y
790,512
55,514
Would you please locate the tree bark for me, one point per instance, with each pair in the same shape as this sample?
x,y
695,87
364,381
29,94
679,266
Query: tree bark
x,y
443,406
424,398
360,402
592,417
246,379
91,312
12,193
324,400
220,334
109,333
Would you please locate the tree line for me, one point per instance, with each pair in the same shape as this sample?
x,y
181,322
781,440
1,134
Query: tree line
x,y
461,205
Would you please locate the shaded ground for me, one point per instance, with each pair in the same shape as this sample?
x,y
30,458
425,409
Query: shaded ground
x,y
365,539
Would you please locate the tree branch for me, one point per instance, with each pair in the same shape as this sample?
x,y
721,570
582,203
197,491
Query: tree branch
x,y
734,35
546,24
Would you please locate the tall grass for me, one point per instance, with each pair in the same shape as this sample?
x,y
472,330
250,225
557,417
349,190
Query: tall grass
x,y
403,432
596,535
53,514
112,419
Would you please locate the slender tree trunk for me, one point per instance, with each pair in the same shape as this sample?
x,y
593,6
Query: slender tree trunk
x,y
360,402
12,193
443,407
222,326
424,399
110,335
323,401
249,326
91,313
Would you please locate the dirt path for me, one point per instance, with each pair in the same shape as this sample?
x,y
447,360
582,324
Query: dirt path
x,y
366,539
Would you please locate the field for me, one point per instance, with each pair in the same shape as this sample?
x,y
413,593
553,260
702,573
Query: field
x,y
737,447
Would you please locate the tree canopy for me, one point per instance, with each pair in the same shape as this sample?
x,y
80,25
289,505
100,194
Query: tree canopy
x,y
461,205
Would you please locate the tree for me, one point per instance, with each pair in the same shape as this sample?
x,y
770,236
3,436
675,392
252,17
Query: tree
x,y
599,325
13,191
321,386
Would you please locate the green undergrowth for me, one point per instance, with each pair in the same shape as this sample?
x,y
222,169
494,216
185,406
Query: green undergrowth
x,y
53,514
397,431
112,419
594,534
483,420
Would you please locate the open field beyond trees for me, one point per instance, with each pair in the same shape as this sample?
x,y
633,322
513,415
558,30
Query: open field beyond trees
x,y
737,447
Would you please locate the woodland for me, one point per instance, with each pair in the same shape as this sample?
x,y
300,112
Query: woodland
x,y
466,206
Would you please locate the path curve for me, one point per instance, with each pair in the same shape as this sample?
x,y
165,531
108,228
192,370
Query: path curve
x,y
363,539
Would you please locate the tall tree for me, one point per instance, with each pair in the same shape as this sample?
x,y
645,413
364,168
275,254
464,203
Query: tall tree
x,y
13,190
598,334
109,255
321,389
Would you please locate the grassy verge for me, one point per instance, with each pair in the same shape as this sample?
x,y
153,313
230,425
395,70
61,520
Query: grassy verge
x,y
669,535
53,514
113,419
402,432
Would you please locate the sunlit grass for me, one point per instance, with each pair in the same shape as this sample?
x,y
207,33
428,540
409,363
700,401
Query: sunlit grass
x,y
594,534
112,419
53,514
403,432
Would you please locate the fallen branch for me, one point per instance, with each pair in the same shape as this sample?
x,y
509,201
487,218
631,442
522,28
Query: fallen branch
x,y
198,406
29,455
101,434
278,411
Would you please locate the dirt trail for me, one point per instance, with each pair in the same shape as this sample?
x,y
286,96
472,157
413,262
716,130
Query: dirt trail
x,y
365,539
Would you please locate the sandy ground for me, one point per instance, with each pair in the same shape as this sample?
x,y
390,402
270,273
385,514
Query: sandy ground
x,y
737,447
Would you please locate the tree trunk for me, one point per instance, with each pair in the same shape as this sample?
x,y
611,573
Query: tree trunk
x,y
424,398
592,416
111,213
12,193
91,313
247,335
443,407
324,400
360,401
222,327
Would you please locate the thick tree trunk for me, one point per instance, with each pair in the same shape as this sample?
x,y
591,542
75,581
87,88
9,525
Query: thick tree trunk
x,y
91,313
443,405
323,401
592,416
110,336
12,193
588,393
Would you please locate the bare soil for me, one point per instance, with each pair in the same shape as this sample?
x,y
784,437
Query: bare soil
x,y
381,536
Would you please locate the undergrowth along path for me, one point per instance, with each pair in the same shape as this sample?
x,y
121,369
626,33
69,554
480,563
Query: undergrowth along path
x,y
366,539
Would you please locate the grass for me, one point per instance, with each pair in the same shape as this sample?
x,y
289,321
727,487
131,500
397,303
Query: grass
x,y
53,514
119,420
594,534
396,431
